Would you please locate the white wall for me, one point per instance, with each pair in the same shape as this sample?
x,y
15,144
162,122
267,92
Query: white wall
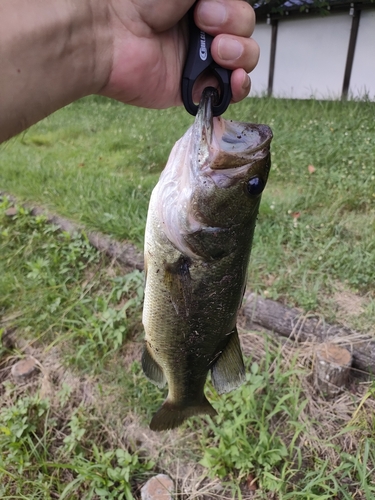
x,y
311,56
362,81
259,77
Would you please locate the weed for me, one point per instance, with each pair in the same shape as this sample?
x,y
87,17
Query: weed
x,y
314,235
257,430
27,433
49,268
314,228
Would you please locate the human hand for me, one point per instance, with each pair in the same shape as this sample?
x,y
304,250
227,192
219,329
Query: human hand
x,y
131,50
149,46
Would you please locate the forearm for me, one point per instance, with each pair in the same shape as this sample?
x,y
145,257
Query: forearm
x,y
53,52
48,58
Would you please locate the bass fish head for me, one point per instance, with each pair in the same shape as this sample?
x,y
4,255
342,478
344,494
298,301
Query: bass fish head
x,y
212,184
230,171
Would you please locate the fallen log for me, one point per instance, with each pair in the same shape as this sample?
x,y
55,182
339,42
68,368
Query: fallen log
x,y
297,325
261,313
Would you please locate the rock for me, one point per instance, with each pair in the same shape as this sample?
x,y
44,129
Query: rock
x,y
24,369
159,487
11,212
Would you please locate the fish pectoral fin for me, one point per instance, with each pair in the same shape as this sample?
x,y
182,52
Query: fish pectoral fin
x,y
178,280
152,369
228,372
213,242
171,415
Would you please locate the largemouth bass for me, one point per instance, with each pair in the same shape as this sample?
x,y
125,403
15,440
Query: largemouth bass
x,y
198,239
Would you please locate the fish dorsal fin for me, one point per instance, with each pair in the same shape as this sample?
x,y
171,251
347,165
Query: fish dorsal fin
x,y
228,372
152,369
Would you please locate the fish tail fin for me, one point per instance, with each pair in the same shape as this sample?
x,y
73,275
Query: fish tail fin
x,y
171,415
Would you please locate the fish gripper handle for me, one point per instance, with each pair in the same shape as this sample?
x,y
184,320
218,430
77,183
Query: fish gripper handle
x,y
199,60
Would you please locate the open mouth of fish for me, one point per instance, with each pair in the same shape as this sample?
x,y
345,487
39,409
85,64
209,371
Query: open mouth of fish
x,y
225,144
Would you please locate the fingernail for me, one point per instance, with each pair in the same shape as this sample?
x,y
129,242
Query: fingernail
x,y
246,84
229,49
212,15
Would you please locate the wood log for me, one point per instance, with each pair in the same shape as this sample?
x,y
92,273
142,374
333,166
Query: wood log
x,y
261,313
331,369
297,325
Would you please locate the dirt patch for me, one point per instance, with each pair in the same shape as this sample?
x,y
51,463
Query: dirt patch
x,y
349,304
50,378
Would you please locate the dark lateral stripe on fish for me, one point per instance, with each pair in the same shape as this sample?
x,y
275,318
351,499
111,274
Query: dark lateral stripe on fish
x,y
170,415
180,268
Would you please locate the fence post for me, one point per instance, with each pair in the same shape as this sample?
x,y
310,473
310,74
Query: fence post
x,y
274,25
351,50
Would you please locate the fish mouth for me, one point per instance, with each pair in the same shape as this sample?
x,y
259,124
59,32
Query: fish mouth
x,y
205,117
225,143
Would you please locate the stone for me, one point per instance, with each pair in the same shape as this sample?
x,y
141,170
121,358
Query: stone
x,y
24,369
159,487
11,212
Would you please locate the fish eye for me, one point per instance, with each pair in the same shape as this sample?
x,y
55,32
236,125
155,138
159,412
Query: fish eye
x,y
255,186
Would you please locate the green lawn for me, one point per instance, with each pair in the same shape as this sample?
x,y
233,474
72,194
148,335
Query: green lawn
x,y
79,429
96,161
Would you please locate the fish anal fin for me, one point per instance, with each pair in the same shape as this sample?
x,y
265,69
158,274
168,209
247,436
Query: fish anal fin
x,y
228,372
171,415
152,369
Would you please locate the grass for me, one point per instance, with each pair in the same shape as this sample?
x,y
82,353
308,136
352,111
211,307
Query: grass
x,y
79,428
93,161
43,273
96,161
72,312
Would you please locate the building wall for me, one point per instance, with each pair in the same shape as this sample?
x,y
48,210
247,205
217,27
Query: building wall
x,y
362,81
259,77
311,57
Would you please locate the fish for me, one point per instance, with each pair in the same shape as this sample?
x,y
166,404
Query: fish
x,y
198,239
